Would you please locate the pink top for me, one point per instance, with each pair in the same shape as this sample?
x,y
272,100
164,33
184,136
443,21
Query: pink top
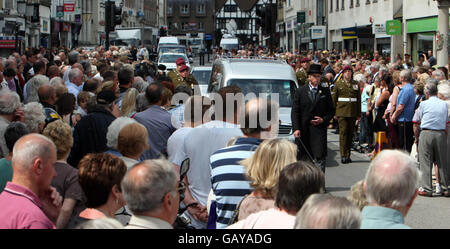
x,y
22,209
272,218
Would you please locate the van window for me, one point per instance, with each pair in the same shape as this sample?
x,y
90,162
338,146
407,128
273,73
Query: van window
x,y
216,79
266,87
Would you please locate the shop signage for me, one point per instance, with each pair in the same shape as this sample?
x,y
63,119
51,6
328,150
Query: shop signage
x,y
318,32
349,33
59,11
379,28
69,5
393,27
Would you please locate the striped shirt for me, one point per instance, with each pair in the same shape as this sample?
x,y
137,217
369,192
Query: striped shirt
x,y
228,179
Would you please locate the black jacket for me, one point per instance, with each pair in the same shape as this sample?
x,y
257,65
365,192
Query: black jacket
x,y
89,135
304,108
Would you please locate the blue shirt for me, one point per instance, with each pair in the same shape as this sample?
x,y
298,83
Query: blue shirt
x,y
364,98
406,97
228,179
159,128
433,114
177,115
375,217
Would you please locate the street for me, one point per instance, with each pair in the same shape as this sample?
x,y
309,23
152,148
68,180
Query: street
x,y
426,213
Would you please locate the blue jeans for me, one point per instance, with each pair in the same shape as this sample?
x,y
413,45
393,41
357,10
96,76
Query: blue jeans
x,y
366,131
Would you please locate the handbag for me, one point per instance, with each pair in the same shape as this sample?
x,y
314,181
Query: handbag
x,y
235,216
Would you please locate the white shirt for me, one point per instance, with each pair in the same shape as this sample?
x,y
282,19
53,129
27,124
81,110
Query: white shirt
x,y
175,145
199,144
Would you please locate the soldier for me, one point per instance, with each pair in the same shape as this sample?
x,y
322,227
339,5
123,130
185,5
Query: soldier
x,y
347,100
182,75
302,76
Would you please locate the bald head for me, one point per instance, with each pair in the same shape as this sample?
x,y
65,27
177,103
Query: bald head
x,y
30,148
78,66
47,94
260,115
391,179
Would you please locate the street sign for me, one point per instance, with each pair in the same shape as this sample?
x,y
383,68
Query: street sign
x,y
379,28
59,11
301,17
393,27
318,32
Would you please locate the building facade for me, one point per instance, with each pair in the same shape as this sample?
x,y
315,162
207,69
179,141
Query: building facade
x,y
191,18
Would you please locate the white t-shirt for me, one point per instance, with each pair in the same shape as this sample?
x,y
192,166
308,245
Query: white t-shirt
x,y
175,145
199,144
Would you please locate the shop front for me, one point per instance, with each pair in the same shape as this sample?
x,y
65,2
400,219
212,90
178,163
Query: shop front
x,y
421,34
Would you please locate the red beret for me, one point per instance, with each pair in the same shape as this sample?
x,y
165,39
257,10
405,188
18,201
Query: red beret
x,y
184,67
180,61
305,60
347,68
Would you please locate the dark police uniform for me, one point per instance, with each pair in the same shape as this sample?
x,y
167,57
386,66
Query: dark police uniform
x,y
347,100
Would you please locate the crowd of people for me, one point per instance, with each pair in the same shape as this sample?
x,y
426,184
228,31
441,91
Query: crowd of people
x,y
96,139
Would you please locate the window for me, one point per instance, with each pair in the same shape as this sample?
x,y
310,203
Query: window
x,y
367,1
201,8
351,3
337,5
230,8
357,3
200,26
222,23
9,4
374,1
184,26
242,24
342,8
184,9
169,9
331,6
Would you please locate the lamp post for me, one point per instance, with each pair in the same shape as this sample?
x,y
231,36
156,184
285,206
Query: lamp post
x,y
442,33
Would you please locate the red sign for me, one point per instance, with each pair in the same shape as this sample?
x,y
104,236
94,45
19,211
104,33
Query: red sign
x,y
69,7
7,43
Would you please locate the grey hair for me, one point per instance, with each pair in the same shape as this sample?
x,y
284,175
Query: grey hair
x,y
9,102
406,75
140,84
416,69
444,90
324,211
26,154
34,116
145,191
141,102
36,82
375,65
431,87
103,223
74,72
73,57
438,73
114,129
56,81
393,187
384,70
360,77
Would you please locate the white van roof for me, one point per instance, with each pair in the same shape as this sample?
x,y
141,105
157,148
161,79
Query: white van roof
x,y
168,40
229,41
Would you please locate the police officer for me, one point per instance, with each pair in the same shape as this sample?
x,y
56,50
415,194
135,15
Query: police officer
x,y
182,76
347,100
302,75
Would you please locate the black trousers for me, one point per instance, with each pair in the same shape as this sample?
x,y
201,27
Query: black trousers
x,y
405,135
315,142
